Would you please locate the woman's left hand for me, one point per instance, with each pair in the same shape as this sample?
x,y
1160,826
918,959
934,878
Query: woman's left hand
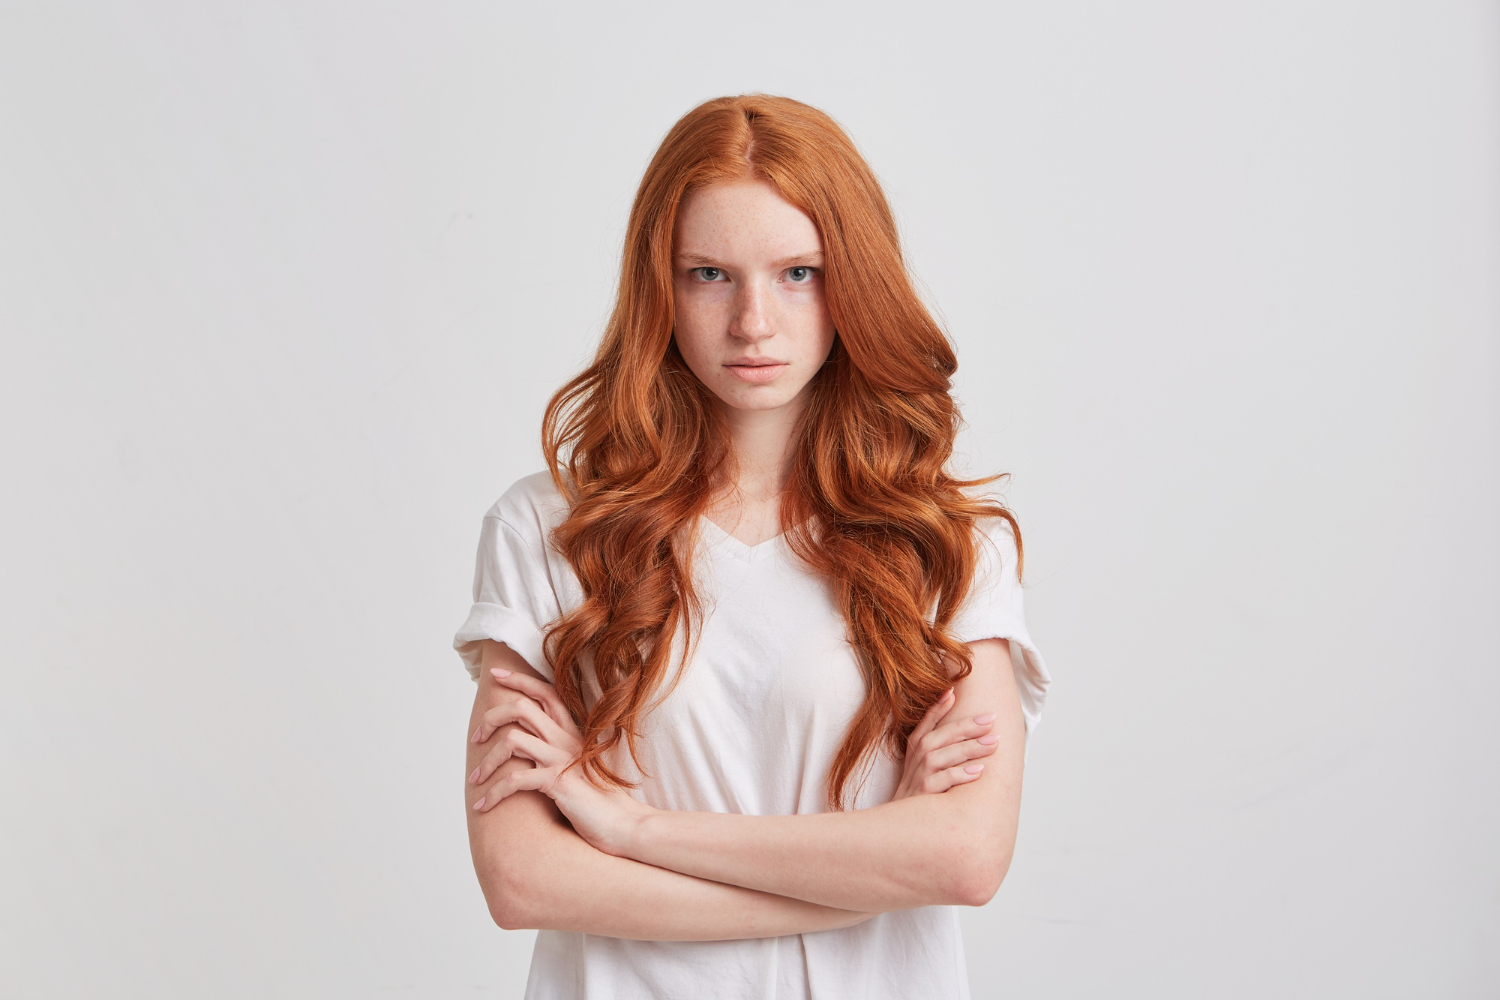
x,y
942,753
547,736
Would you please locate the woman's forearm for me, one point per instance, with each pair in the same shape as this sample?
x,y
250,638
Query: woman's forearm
x,y
914,852
537,873
952,847
949,848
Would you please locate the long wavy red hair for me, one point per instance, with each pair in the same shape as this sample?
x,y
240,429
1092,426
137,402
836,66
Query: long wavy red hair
x,y
637,444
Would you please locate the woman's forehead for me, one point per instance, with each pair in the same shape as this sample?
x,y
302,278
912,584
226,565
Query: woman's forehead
x,y
745,219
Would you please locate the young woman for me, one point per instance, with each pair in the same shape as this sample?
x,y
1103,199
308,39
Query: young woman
x,y
754,682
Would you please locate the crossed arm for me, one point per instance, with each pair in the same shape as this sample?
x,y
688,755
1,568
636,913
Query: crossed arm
x,y
606,864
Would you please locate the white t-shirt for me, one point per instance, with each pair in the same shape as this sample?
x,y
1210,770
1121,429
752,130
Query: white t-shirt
x,y
752,727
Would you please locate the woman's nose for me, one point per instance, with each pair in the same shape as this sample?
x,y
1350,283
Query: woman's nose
x,y
752,313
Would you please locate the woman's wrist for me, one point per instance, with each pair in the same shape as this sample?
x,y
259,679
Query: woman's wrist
x,y
653,834
630,831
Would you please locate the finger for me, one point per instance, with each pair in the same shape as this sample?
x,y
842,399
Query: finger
x,y
542,753
946,736
965,772
519,743
542,691
956,731
529,714
502,751
497,755
538,689
952,756
522,743
931,718
941,781
527,779
514,710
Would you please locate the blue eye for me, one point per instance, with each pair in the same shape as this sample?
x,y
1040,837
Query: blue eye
x,y
709,273
800,275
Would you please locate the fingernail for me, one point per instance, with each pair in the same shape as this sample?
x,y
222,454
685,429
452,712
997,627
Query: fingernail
x,y
474,777
475,737
498,672
972,769
948,694
989,740
479,805
983,720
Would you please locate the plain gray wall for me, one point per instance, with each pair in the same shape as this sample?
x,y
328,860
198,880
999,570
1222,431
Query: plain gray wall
x,y
285,286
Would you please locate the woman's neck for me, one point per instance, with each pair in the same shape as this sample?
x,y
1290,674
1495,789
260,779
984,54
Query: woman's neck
x,y
764,445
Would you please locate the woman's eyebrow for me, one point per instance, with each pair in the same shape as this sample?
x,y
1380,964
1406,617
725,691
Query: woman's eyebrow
x,y
812,258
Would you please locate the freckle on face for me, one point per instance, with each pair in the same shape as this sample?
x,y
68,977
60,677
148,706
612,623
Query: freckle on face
x,y
751,309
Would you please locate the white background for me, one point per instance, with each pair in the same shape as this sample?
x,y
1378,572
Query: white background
x,y
285,286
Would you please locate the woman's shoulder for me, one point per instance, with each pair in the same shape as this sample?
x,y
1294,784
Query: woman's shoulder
x,y
533,505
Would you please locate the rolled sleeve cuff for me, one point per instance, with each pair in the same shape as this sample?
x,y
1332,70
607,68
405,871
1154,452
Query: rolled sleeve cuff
x,y
493,621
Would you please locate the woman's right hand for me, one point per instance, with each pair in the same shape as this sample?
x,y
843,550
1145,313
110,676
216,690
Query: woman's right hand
x,y
606,817
941,754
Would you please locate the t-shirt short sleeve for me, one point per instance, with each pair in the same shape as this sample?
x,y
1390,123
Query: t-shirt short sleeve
x,y
995,609
514,594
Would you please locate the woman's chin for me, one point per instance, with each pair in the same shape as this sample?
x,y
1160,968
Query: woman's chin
x,y
758,398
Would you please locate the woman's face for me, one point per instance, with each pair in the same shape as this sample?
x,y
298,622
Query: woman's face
x,y
752,322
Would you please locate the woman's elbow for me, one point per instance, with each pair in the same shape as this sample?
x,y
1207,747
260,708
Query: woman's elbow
x,y
510,904
980,881
516,861
509,917
512,882
977,875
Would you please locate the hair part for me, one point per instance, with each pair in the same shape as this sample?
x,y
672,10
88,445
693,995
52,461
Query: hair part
x,y
638,445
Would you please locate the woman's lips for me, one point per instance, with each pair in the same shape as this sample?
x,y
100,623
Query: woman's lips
x,y
757,373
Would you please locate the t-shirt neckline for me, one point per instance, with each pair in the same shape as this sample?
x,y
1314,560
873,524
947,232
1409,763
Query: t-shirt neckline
x,y
727,542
